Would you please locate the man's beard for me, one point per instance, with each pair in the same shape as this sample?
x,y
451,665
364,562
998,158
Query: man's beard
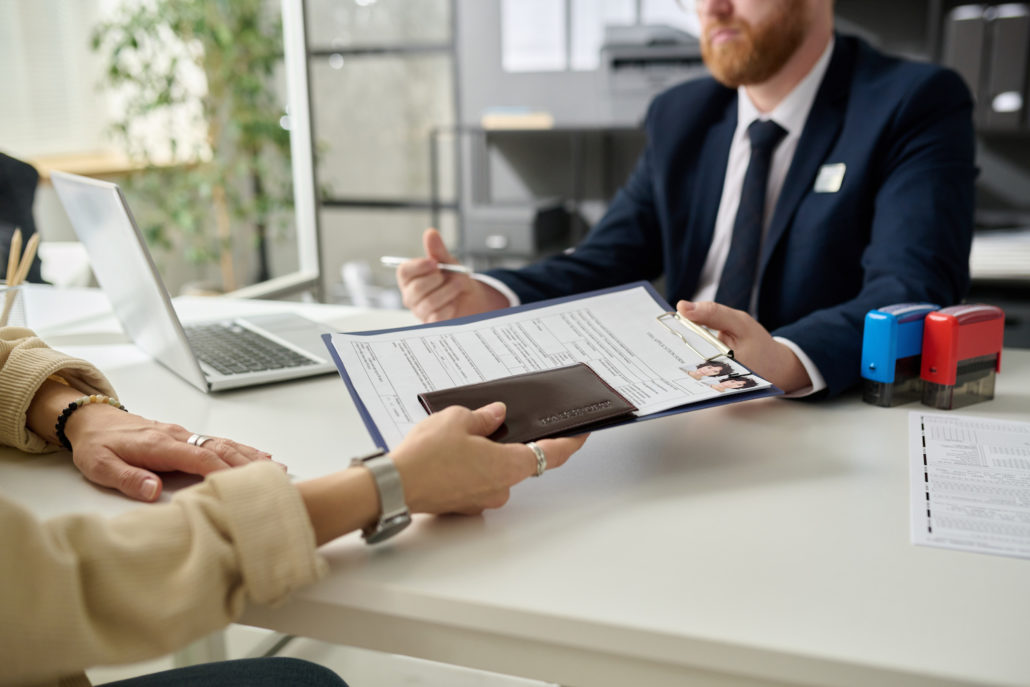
x,y
758,52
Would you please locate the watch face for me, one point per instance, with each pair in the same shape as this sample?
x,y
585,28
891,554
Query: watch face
x,y
388,527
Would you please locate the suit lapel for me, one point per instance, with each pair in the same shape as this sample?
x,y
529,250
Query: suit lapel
x,y
820,132
711,169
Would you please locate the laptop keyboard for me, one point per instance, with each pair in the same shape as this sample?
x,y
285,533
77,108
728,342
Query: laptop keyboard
x,y
232,349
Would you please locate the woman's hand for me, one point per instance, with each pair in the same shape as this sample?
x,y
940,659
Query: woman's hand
x,y
122,450
448,465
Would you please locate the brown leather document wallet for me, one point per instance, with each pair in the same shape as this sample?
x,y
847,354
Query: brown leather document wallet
x,y
562,401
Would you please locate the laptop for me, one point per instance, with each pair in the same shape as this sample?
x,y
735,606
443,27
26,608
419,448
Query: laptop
x,y
216,355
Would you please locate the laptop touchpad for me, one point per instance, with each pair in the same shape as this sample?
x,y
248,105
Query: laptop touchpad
x,y
299,331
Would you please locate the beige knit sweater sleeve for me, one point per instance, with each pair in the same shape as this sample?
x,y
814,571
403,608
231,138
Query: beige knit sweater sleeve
x,y
25,362
81,590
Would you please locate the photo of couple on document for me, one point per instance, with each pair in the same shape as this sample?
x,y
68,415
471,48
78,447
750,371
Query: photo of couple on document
x,y
721,376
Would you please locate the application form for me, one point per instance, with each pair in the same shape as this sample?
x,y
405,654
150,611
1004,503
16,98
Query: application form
x,y
617,333
970,483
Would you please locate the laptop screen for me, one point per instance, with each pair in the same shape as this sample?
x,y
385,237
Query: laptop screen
x,y
125,270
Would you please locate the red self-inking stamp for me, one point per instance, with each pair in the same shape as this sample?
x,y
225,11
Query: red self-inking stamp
x,y
961,355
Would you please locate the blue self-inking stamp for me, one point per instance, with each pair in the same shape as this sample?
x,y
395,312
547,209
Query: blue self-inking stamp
x,y
891,347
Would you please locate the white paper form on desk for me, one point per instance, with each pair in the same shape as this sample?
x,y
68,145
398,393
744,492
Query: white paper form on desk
x,y
616,333
970,483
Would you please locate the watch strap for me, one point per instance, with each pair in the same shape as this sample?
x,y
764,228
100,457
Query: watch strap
x,y
393,509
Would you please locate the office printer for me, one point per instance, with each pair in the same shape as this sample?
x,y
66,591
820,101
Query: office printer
x,y
640,61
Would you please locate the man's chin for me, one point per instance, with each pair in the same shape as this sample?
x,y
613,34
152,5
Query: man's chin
x,y
728,61
729,75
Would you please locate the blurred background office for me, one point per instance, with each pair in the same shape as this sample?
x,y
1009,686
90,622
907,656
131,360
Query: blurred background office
x,y
508,124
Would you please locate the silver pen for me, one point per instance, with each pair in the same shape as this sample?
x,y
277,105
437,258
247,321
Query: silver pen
x,y
394,261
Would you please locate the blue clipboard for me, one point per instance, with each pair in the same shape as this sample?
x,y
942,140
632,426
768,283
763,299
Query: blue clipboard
x,y
377,436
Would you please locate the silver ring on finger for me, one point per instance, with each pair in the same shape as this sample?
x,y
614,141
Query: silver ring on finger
x,y
198,440
541,459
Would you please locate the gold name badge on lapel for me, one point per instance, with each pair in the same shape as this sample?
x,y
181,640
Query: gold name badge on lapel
x,y
830,178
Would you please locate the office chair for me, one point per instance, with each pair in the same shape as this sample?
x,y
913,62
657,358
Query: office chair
x,y
18,182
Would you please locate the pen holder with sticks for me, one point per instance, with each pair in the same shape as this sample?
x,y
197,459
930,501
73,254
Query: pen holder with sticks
x,y
12,306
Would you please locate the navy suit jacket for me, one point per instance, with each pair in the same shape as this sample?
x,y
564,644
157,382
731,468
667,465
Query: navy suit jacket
x,y
898,229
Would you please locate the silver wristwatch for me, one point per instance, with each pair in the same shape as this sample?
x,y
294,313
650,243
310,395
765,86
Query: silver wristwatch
x,y
394,515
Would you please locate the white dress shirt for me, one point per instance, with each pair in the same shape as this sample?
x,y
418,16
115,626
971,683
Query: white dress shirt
x,y
790,114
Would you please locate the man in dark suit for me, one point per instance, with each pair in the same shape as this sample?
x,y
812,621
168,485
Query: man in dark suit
x,y
811,180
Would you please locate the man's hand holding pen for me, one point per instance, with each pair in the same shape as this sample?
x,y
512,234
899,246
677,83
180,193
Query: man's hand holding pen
x,y
434,290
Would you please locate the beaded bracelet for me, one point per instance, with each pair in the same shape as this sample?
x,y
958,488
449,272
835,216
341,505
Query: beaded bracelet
x,y
62,420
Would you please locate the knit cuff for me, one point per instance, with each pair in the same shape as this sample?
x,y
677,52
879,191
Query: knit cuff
x,y
271,530
29,364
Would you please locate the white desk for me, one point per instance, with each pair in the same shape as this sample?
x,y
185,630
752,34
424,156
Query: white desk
x,y
762,543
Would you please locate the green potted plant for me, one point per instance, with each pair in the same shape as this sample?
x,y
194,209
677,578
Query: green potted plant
x,y
207,66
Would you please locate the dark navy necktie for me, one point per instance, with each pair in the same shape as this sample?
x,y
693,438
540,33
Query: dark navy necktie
x,y
738,274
